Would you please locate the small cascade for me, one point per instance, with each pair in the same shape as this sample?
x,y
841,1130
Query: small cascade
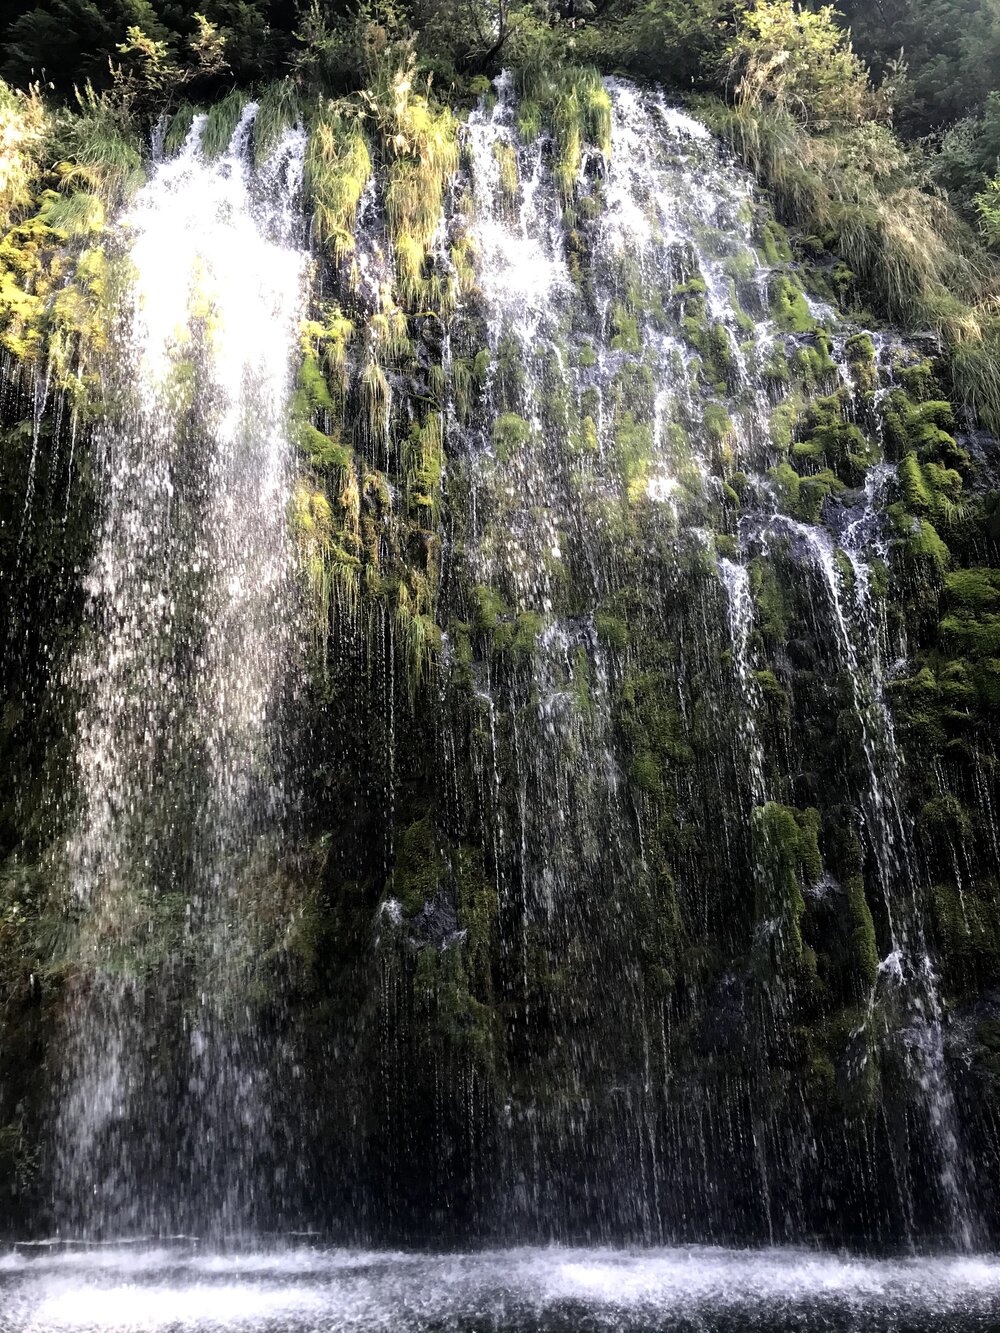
x,y
737,581
908,970
184,680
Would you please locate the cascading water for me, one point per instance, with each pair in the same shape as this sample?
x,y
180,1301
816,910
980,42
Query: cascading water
x,y
189,663
616,924
653,366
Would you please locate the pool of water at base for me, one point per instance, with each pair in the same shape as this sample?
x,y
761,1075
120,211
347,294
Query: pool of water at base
x,y
179,1288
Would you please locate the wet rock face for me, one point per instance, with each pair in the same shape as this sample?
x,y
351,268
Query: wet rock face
x,y
435,926
610,843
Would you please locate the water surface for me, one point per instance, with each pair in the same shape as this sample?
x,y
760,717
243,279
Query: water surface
x,y
551,1290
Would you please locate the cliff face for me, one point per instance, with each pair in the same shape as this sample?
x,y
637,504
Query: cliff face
x,y
634,870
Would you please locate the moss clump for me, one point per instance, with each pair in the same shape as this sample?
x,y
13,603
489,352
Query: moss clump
x,y
421,867
633,452
922,428
859,351
527,627
625,330
789,305
914,486
712,342
826,438
770,597
863,944
787,852
923,543
967,921
510,434
611,630
489,609
974,590
654,731
322,451
774,244
423,463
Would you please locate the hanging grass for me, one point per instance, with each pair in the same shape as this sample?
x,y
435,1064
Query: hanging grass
x,y
418,636
373,421
56,284
220,124
390,335
420,147
103,150
576,106
423,465
913,257
77,214
278,111
24,125
179,128
975,373
337,169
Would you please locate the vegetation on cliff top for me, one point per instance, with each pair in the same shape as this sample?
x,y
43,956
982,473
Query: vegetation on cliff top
x,y
887,157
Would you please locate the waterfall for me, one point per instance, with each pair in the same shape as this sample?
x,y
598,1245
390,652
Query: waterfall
x,y
189,660
592,900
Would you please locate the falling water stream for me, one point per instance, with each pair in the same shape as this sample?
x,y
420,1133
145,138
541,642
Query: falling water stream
x,y
189,658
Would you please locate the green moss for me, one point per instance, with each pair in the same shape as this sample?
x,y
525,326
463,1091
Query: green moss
x,y
646,772
863,944
784,420
974,590
967,922
312,385
420,865
586,439
654,731
774,244
527,627
625,331
914,487
964,635
633,450
860,350
924,543
611,630
789,305
919,382
781,837
322,450
489,609
787,483
481,366
717,422
510,434
773,611
826,437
